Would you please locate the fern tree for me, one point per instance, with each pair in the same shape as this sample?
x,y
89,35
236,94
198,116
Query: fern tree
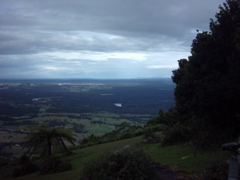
x,y
47,140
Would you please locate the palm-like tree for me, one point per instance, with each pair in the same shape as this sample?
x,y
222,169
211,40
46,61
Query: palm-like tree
x,y
48,139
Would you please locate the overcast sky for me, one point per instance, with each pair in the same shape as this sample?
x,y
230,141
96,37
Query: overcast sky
x,y
98,38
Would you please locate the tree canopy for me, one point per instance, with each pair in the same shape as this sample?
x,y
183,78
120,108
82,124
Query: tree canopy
x,y
208,82
46,139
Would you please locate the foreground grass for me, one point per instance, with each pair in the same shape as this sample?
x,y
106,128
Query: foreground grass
x,y
81,156
184,158
92,151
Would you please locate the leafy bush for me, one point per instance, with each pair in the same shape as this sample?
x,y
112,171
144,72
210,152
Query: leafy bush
x,y
154,128
53,164
3,161
216,170
122,131
126,163
164,118
24,169
90,140
24,159
177,134
26,166
151,137
206,140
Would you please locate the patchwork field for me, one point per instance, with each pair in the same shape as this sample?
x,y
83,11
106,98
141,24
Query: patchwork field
x,y
88,106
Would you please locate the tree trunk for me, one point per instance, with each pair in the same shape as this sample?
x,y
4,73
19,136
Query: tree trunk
x,y
49,146
64,146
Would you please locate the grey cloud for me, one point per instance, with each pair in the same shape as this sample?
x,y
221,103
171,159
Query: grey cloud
x,y
31,42
139,18
134,16
32,31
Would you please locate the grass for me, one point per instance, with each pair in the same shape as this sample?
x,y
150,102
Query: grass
x,y
92,151
185,158
181,157
77,161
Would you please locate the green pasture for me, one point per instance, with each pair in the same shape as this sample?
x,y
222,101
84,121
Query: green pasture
x,y
109,120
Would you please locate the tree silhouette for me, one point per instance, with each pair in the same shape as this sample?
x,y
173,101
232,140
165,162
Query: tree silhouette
x,y
208,83
48,140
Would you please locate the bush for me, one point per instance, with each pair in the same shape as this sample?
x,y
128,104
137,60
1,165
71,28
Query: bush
x,y
53,164
24,169
151,137
26,166
157,127
24,159
216,170
177,134
3,161
126,163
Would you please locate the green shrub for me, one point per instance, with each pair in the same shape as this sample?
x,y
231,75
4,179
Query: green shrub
x,y
216,170
177,134
24,169
126,163
151,137
24,159
154,128
4,161
25,166
53,164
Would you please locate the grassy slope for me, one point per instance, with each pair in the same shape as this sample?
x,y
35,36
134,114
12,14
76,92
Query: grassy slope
x,y
185,158
77,161
173,156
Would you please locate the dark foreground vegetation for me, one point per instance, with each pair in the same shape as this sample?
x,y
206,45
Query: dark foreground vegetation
x,y
208,82
186,137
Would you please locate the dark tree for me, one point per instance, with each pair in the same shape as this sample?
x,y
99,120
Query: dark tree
x,y
47,139
208,83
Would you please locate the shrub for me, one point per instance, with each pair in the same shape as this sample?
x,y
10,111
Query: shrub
x,y
157,127
216,170
53,164
24,169
177,134
26,166
126,163
151,137
24,159
3,161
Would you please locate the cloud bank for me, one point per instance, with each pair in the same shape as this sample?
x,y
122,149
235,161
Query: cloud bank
x,y
98,39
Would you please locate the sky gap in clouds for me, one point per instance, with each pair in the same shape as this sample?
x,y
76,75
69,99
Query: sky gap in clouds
x,y
98,39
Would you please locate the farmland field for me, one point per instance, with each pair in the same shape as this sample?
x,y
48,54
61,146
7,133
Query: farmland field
x,y
87,106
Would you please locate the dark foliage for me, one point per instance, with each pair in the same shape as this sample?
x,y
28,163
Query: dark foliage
x,y
151,137
127,163
176,134
216,170
3,161
25,166
123,131
163,118
52,164
208,83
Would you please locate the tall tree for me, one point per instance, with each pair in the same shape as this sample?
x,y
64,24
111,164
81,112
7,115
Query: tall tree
x,y
208,83
47,139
